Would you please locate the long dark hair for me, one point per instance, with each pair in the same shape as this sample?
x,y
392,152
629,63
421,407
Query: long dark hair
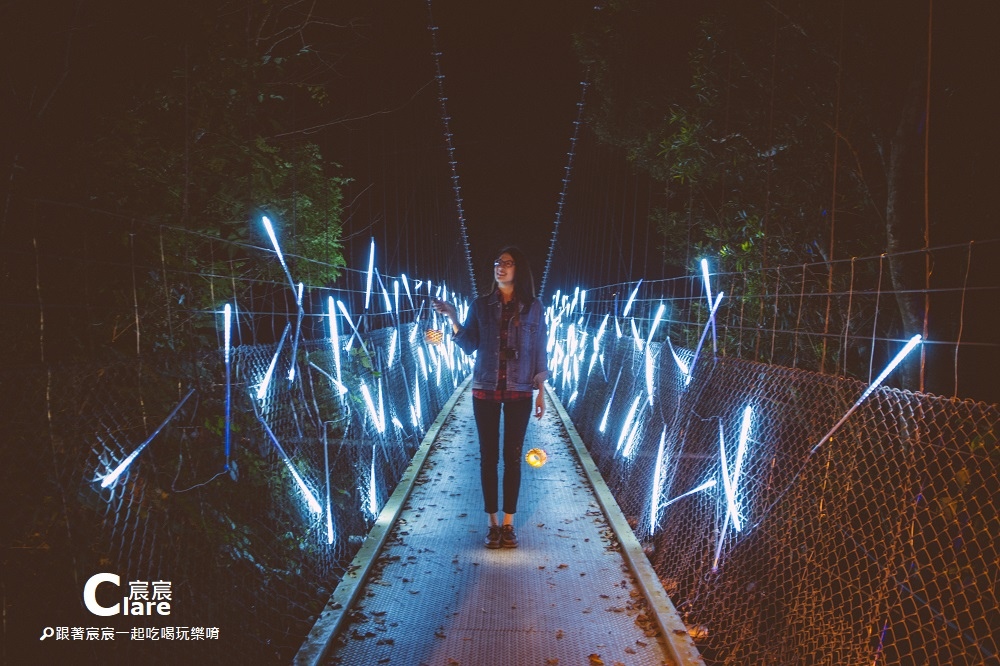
x,y
524,280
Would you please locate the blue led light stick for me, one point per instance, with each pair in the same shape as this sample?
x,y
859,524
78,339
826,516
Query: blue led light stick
x,y
913,342
298,332
708,295
227,314
310,498
607,409
277,250
654,500
329,508
262,389
371,268
631,298
730,483
701,341
108,479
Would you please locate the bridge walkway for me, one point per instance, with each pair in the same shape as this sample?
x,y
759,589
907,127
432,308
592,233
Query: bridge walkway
x,y
424,590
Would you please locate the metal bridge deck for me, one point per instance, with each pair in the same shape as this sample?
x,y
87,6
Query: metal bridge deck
x,y
425,591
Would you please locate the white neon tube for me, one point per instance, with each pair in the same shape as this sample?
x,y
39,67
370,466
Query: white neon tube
x,y
701,341
628,423
123,465
227,313
913,342
277,249
262,389
628,305
371,269
654,500
310,498
334,338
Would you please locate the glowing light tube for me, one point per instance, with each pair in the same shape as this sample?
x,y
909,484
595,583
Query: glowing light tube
x,y
658,470
708,295
406,288
277,249
395,297
705,486
375,415
310,498
628,423
635,335
372,489
329,507
392,347
423,362
656,322
597,342
677,359
262,389
708,283
334,338
913,342
583,298
649,374
385,296
227,315
371,268
347,316
298,332
607,409
417,414
730,483
701,341
630,441
628,305
341,389
108,479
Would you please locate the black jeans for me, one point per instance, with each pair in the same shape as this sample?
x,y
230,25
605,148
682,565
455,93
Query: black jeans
x,y
516,415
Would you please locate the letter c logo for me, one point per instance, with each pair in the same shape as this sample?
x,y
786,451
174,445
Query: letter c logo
x,y
90,594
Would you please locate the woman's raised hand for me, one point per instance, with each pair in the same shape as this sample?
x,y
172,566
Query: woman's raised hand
x,y
445,308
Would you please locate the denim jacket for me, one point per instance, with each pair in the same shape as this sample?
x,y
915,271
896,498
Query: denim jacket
x,y
481,334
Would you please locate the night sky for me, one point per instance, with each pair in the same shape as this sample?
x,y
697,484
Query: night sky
x,y
512,82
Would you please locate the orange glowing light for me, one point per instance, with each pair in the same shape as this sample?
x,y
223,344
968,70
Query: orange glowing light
x,y
536,457
434,336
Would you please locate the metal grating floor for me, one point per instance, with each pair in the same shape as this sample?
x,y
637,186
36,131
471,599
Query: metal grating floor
x,y
437,597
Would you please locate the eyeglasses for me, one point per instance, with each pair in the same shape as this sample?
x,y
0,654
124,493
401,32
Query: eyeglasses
x,y
506,263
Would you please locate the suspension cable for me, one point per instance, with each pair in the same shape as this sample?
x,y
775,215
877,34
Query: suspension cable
x,y
566,178
449,143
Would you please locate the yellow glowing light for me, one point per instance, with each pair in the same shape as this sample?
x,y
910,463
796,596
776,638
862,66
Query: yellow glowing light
x,y
434,336
536,457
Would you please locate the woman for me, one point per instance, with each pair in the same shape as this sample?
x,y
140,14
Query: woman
x,y
506,329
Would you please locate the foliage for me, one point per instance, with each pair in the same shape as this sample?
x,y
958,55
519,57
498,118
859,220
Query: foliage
x,y
766,142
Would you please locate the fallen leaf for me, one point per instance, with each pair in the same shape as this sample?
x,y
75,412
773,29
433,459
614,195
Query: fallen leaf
x,y
559,633
595,660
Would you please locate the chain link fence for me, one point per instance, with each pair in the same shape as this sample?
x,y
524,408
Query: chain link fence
x,y
115,456
781,536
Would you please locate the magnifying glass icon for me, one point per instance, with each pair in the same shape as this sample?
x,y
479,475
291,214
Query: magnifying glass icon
x,y
47,632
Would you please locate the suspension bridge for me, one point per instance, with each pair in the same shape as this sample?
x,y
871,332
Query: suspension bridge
x,y
743,466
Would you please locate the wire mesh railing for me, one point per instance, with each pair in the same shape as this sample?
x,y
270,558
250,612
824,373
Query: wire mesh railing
x,y
783,531
116,428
